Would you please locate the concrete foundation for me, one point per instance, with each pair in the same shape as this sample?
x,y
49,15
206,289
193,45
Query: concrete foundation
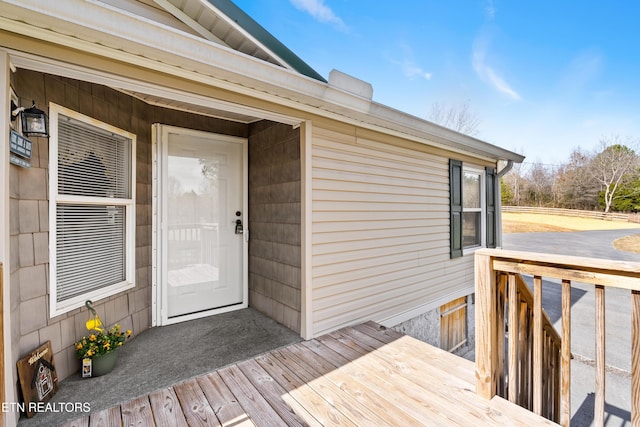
x,y
426,327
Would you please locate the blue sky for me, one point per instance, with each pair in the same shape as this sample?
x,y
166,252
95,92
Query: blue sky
x,y
543,77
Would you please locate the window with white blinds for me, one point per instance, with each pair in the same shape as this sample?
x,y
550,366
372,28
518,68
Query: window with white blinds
x,y
92,214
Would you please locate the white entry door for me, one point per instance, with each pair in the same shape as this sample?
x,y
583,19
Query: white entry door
x,y
201,240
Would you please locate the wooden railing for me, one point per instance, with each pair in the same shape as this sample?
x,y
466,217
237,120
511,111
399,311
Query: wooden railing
x,y
539,376
192,243
517,308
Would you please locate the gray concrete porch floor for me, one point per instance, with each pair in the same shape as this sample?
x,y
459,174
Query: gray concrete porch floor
x,y
167,355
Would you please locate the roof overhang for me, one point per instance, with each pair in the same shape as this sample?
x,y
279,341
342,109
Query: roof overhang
x,y
96,28
224,22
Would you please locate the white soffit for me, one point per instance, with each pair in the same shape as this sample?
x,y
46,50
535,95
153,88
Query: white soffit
x,y
206,20
151,11
152,94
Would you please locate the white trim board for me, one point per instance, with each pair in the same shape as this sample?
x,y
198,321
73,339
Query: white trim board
x,y
159,227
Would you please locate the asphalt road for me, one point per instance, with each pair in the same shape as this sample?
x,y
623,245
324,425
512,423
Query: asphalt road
x,y
595,244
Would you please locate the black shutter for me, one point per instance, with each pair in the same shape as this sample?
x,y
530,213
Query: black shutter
x,y
492,183
455,207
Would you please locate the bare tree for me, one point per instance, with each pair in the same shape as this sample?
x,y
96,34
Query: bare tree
x,y
457,117
515,181
539,184
615,162
574,186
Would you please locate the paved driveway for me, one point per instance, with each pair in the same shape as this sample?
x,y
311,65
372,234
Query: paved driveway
x,y
596,244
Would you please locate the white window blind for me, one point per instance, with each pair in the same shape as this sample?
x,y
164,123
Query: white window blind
x,y
91,161
93,184
91,248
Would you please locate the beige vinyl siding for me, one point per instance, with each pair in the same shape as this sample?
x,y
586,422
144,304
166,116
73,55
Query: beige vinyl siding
x,y
380,239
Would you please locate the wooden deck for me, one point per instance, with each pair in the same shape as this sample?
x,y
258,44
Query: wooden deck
x,y
361,376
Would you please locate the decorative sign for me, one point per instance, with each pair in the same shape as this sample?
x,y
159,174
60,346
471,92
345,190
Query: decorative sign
x,y
19,161
20,145
38,378
86,368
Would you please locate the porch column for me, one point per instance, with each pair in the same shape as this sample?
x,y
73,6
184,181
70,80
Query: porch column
x,y
306,312
486,327
7,391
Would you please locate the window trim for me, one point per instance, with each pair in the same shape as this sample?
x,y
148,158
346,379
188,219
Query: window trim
x,y
489,213
482,209
58,308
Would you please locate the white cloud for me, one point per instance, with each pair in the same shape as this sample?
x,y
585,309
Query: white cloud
x,y
498,82
490,10
489,75
319,11
582,71
408,64
411,70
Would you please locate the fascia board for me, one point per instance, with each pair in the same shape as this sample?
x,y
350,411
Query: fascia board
x,y
418,127
101,29
187,20
94,27
252,30
244,32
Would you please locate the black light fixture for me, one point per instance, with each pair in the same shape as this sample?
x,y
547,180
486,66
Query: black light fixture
x,y
34,121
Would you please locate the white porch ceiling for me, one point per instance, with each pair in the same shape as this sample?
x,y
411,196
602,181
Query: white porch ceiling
x,y
152,94
180,105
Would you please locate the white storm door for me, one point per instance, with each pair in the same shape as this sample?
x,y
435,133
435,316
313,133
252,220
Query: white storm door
x,y
203,210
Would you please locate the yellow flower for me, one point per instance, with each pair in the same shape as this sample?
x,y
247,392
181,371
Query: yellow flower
x,y
97,344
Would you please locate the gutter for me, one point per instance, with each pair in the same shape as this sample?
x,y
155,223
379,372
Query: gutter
x,y
502,172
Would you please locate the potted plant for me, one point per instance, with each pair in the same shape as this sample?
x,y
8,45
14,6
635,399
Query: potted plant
x,y
98,351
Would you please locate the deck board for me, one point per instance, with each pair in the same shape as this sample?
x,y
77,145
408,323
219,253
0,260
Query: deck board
x,y
137,412
109,417
290,410
223,402
166,408
362,375
254,404
195,406
348,406
321,409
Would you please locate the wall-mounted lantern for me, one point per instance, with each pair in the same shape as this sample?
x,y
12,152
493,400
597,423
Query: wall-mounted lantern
x,y
34,121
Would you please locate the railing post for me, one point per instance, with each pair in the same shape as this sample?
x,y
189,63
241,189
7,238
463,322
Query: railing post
x,y
565,370
486,327
514,339
635,358
598,416
537,345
